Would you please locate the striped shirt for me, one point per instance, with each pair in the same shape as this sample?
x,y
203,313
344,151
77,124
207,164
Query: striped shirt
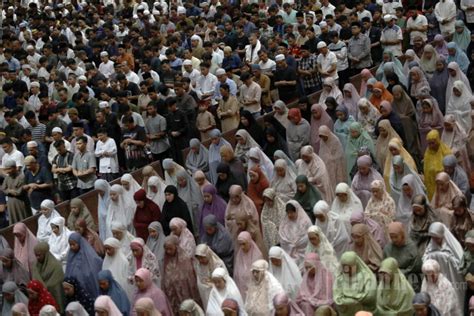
x,y
38,132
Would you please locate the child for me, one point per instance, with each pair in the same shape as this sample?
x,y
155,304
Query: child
x,y
205,121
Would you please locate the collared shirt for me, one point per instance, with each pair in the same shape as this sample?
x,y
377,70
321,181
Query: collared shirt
x,y
420,20
153,126
107,164
391,34
309,64
340,50
66,181
326,62
250,93
82,162
42,176
206,84
359,47
232,89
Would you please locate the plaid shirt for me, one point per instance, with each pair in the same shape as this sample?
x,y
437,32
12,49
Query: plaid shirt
x,y
66,181
309,63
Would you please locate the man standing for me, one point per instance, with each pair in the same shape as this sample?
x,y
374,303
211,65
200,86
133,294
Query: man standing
x,y
417,25
392,37
84,166
250,95
134,140
106,151
177,127
62,169
308,70
359,49
445,11
155,128
38,183
285,80
327,62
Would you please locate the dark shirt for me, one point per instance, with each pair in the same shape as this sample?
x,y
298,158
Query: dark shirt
x,y
286,92
41,177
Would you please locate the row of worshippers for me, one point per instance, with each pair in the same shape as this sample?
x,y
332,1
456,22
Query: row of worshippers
x,y
319,283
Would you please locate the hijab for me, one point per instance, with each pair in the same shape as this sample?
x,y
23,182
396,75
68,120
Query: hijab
x,y
115,291
324,120
198,157
428,65
287,273
462,39
324,250
175,208
18,297
24,253
439,81
366,74
44,298
460,106
217,207
385,95
244,260
370,250
118,264
84,214
106,304
334,93
103,202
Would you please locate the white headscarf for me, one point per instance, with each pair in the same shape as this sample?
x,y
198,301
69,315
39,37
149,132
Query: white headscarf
x,y
59,245
118,264
404,210
159,196
460,107
284,186
119,211
204,272
333,228
324,250
216,297
293,237
44,223
288,274
126,239
102,206
76,309
171,169
264,162
345,209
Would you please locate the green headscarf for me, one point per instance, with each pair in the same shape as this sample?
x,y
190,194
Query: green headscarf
x,y
394,299
468,257
50,273
355,293
354,144
463,39
308,199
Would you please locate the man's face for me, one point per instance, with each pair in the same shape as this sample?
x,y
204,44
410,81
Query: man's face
x,y
81,146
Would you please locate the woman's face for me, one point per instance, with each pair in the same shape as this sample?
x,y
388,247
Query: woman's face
x,y
176,230
377,193
431,276
427,54
139,283
324,138
426,108
341,115
207,197
301,187
386,58
182,182
327,88
110,251
357,239
407,191
310,269
432,144
385,277
459,211
169,197
275,262
397,239
222,176
244,121
280,171
363,170
377,93
439,66
170,250
32,295
442,186
452,72
292,215
125,185
46,211
397,95
219,283
355,133
398,169
394,151
364,110
104,285
240,140
342,197
418,210
253,177
348,94
383,132
75,210
316,114
202,260
270,138
74,246
267,201
114,196
244,245
137,252
235,199
457,92
20,237
55,229
117,234
314,239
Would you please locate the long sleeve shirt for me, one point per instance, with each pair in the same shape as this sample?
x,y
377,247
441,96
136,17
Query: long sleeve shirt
x,y
359,47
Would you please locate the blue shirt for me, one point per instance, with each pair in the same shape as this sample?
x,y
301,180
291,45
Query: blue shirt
x,y
231,62
232,88
13,64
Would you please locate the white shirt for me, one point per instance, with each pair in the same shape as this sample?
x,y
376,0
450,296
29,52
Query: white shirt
x,y
267,67
419,21
137,119
446,10
34,103
391,34
251,93
132,77
193,76
206,84
465,4
16,156
107,164
329,10
363,14
325,62
52,152
154,75
107,69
